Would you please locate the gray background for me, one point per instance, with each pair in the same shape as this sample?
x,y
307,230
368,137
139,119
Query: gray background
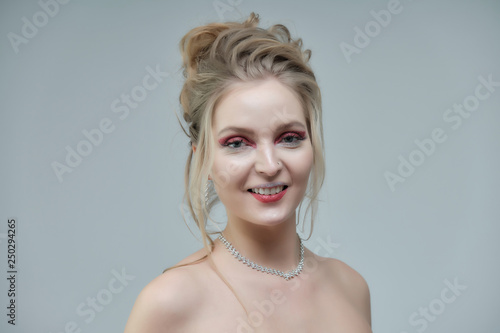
x,y
120,209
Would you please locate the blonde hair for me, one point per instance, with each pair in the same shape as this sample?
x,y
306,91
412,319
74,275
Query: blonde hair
x,y
217,55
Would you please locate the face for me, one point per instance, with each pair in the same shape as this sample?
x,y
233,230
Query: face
x,y
263,154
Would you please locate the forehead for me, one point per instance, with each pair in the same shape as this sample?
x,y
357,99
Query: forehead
x,y
258,104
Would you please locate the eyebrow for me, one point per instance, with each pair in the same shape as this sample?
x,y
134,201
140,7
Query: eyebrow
x,y
250,131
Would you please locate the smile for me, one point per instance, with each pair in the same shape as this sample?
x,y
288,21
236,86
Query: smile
x,y
268,191
270,194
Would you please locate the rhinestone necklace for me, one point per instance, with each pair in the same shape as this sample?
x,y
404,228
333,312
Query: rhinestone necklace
x,y
286,275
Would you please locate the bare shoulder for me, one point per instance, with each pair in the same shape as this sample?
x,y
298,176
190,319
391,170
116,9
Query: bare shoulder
x,y
352,283
168,302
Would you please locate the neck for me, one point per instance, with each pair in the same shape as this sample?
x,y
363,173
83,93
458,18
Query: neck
x,y
271,246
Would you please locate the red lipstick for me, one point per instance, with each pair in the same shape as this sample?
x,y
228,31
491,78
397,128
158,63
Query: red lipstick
x,y
269,198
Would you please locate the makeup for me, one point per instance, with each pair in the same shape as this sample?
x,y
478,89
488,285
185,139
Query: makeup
x,y
270,197
235,142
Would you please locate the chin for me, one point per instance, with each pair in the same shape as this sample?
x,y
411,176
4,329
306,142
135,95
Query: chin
x,y
273,220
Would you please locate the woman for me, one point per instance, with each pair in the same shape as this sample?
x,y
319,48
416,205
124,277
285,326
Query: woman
x,y
253,108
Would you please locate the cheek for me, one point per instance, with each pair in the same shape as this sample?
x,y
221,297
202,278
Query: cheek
x,y
303,165
227,169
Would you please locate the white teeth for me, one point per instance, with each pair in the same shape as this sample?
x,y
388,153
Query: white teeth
x,y
268,191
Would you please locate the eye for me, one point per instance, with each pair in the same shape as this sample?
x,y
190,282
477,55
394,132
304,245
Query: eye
x,y
235,142
291,138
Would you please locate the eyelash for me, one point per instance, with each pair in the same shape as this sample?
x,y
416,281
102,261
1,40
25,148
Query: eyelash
x,y
296,136
234,140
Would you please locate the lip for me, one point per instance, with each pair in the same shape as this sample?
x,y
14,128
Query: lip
x,y
269,198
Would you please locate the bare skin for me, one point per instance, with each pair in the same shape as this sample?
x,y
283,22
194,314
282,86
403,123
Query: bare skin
x,y
261,142
328,296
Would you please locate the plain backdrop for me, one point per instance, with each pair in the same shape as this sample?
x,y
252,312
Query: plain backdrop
x,y
91,235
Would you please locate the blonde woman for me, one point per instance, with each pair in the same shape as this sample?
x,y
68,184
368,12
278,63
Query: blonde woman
x,y
253,111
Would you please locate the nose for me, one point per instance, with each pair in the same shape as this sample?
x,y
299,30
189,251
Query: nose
x,y
267,161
